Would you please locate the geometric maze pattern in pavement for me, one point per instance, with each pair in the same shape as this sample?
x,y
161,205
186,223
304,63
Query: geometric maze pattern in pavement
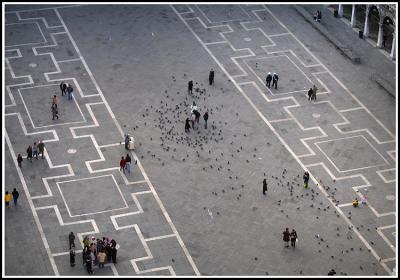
x,y
337,139
82,151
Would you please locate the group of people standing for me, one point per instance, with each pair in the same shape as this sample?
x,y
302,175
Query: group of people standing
x,y
194,113
125,164
15,195
31,152
317,16
67,89
195,118
274,78
312,93
290,236
95,251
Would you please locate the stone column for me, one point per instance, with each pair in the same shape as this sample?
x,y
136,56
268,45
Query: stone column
x,y
366,23
379,44
340,11
353,16
393,52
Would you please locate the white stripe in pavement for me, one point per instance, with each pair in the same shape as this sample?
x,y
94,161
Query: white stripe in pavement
x,y
186,252
273,129
28,196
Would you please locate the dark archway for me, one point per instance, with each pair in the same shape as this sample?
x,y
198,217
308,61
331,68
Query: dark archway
x,y
373,18
347,10
388,29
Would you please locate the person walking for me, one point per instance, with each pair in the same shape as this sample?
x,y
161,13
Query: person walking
x,y
187,125
275,79
205,117
63,88
310,92
35,150
72,257
314,93
211,77
54,110
268,80
54,100
101,258
122,164
15,195
41,148
71,239
190,86
306,177
293,238
29,153
19,160
127,139
8,199
265,186
286,237
70,91
113,251
128,161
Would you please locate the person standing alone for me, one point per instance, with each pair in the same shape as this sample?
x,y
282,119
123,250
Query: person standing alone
x,y
306,177
190,87
71,239
211,77
19,160
264,186
205,117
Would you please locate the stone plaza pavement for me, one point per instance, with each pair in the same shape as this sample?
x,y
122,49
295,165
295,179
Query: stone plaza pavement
x,y
193,204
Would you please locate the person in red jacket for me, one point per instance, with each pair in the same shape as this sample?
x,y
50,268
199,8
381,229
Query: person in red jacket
x,y
122,164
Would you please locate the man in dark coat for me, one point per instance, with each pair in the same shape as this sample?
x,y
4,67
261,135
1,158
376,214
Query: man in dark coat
x,y
190,87
211,76
197,113
15,195
306,177
63,88
71,238
310,93
70,91
114,250
286,237
88,261
72,257
319,15
293,237
187,125
275,79
29,153
19,160
268,80
264,186
205,117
